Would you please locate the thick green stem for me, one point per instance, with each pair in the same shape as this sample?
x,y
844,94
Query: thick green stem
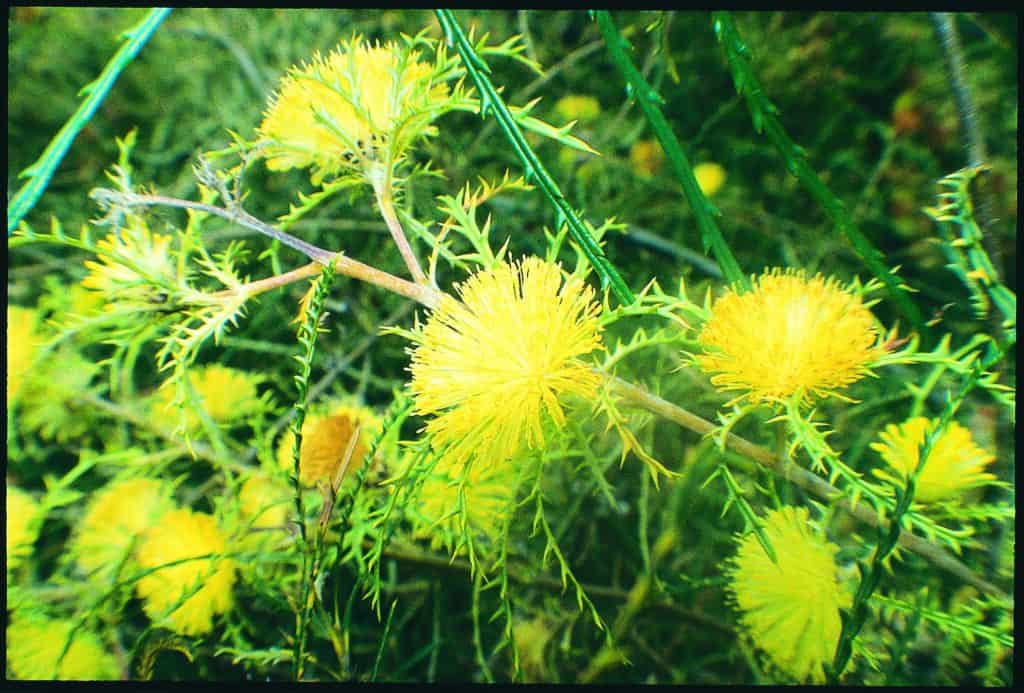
x,y
648,99
41,171
492,103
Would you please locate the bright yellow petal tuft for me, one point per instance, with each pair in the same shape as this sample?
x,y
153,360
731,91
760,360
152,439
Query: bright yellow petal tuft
x,y
325,438
22,525
490,366
349,107
955,463
22,341
264,501
788,336
183,534
790,608
226,394
34,646
129,261
487,495
113,520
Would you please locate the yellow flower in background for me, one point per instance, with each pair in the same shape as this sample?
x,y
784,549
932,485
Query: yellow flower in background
x,y
956,463
114,518
710,177
790,608
264,501
226,394
578,107
532,638
22,525
489,367
22,341
360,104
325,438
789,336
487,495
34,646
184,534
646,157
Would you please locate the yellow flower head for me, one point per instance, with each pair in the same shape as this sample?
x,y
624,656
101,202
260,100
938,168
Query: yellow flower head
x,y
22,525
264,501
489,366
955,463
113,520
646,157
710,177
532,639
34,646
130,263
361,105
226,394
183,534
578,107
789,336
22,341
487,494
790,608
325,439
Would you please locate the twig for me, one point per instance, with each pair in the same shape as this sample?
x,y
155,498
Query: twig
x,y
386,203
804,479
427,295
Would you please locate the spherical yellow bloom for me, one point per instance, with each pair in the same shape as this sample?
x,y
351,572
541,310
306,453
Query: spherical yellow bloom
x,y
183,534
646,157
710,177
790,608
34,646
487,494
264,501
788,336
955,463
226,394
350,108
113,519
578,107
325,438
488,367
22,341
22,525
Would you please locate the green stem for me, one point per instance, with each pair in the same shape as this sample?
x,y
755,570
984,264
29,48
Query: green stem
x,y
888,537
763,113
801,477
41,171
648,99
491,102
385,201
307,337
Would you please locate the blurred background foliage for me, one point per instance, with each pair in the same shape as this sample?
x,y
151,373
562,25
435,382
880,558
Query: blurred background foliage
x,y
866,94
